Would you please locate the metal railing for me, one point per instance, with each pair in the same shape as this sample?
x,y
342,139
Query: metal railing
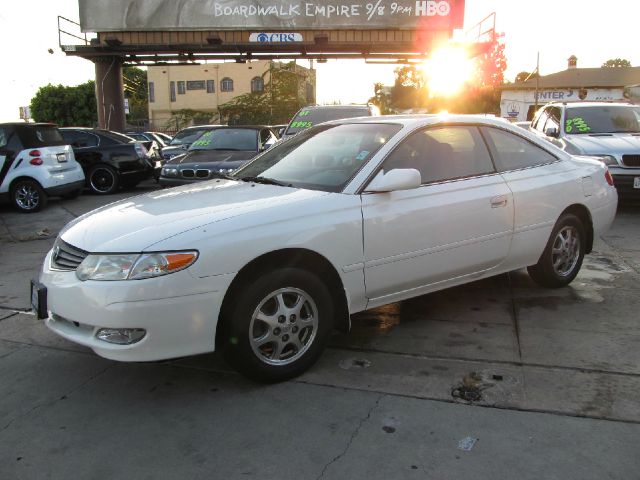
x,y
65,24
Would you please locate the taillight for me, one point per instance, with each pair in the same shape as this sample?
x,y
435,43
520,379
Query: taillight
x,y
608,177
35,153
36,161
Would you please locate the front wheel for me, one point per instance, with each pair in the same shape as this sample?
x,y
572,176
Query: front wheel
x,y
562,257
28,196
279,325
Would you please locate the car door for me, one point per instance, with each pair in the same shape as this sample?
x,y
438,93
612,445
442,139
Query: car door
x,y
457,223
542,187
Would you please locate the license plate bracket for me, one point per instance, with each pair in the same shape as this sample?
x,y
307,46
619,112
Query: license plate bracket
x,y
39,299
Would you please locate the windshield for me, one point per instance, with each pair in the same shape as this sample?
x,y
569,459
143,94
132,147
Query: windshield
x,y
602,119
188,136
322,158
310,117
227,139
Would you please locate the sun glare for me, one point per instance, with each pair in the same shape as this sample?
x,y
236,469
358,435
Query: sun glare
x,y
447,70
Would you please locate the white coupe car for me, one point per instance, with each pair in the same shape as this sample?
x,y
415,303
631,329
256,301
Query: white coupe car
x,y
343,217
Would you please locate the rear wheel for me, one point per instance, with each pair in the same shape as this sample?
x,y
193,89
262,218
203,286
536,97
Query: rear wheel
x,y
103,180
562,258
279,325
28,196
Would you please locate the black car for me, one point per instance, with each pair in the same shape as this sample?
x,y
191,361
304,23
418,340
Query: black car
x,y
110,159
217,151
183,140
160,138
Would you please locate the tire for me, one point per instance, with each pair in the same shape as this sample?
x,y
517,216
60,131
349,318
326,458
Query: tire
x,y
28,196
72,195
103,180
270,339
562,257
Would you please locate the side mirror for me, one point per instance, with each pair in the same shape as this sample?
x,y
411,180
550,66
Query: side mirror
x,y
396,179
552,132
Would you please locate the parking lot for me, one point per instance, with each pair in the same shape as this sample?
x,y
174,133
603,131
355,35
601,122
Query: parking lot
x,y
495,379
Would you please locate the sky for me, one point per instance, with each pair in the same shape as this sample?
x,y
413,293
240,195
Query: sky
x,y
593,30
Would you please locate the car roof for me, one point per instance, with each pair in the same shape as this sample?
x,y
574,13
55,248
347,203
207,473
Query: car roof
x,y
425,119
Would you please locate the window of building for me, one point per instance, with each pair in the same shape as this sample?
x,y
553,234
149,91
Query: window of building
x,y
181,89
211,86
226,85
172,91
257,85
195,85
443,153
152,92
512,152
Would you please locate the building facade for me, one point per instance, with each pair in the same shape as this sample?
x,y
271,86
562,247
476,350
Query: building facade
x,y
184,94
518,100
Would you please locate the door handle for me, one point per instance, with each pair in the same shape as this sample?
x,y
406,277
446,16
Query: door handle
x,y
499,201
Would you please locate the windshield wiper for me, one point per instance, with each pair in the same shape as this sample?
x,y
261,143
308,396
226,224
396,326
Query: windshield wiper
x,y
265,180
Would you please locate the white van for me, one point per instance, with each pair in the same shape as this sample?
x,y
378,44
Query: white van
x,y
36,162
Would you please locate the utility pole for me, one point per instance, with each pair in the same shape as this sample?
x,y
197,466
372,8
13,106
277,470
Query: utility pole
x,y
537,80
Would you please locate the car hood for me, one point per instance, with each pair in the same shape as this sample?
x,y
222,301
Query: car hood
x,y
135,224
208,157
613,144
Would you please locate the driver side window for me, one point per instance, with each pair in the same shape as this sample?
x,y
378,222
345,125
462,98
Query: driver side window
x,y
443,153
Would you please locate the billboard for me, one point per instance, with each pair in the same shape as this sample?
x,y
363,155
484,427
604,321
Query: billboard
x,y
168,15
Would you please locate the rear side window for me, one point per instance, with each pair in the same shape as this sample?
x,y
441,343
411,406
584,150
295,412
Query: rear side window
x,y
37,136
512,152
309,117
443,153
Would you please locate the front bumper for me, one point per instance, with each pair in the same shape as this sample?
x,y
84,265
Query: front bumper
x,y
179,312
624,185
177,181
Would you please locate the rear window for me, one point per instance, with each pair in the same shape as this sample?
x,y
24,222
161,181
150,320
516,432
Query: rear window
x,y
37,136
309,117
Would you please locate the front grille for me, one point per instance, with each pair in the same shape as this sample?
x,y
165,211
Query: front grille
x,y
65,257
188,173
631,160
202,173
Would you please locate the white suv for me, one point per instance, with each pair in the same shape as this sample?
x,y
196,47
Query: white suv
x,y
609,131
36,162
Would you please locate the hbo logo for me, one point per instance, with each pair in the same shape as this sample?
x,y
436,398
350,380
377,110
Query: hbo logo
x,y
431,8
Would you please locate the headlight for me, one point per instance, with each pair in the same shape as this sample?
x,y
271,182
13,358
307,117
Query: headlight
x,y
133,266
169,172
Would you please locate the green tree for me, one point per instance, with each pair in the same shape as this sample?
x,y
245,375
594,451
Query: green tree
x,y
616,62
275,104
66,106
137,91
409,88
382,99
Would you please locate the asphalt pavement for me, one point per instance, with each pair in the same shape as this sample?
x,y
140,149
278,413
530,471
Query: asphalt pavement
x,y
498,379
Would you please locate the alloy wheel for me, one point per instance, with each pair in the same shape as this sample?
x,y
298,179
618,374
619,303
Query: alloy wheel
x,y
283,326
565,252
